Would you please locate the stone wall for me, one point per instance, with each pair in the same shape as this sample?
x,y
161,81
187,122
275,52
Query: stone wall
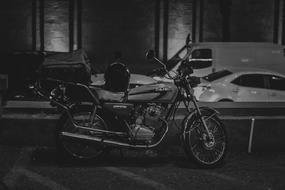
x,y
250,21
16,25
180,24
129,26
56,25
118,26
212,29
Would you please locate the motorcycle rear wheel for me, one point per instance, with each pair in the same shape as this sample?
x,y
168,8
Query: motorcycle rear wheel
x,y
79,150
205,153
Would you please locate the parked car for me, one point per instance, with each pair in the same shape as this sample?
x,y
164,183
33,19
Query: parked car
x,y
240,85
214,56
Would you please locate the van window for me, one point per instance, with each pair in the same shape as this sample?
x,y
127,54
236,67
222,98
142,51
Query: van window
x,y
202,57
276,82
250,80
217,75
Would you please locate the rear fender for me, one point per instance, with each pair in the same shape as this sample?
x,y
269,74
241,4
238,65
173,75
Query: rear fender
x,y
71,109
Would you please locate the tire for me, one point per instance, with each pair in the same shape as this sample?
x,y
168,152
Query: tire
x,y
225,100
205,154
79,150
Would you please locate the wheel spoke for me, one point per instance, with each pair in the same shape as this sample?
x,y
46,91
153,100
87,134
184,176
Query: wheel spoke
x,y
211,155
215,129
203,151
98,125
189,132
220,140
194,146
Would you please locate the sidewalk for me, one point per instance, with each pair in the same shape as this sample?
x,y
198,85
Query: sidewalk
x,y
34,125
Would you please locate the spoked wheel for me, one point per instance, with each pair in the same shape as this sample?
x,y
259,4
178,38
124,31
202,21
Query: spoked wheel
x,y
80,149
206,151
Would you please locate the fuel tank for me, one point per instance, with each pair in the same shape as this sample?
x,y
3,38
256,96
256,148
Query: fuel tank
x,y
156,93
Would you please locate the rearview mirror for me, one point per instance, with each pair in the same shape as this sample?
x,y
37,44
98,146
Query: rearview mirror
x,y
150,54
188,39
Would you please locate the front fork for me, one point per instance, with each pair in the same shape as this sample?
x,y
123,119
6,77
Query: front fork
x,y
199,113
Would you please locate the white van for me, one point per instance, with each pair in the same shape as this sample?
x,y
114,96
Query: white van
x,y
221,55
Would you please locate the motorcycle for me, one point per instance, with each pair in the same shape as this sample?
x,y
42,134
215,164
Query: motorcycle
x,y
137,118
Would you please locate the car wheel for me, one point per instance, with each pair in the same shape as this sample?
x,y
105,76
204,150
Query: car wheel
x,y
225,100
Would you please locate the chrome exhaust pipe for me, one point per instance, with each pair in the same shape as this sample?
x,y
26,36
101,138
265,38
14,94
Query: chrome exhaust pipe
x,y
89,139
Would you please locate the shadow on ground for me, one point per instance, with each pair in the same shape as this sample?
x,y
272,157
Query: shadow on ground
x,y
115,158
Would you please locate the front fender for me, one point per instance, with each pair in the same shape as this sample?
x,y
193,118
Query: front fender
x,y
192,116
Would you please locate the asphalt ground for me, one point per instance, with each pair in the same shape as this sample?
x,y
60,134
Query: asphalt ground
x,y
40,168
27,163
38,130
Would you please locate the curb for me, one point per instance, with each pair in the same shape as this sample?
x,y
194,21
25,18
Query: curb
x,y
37,129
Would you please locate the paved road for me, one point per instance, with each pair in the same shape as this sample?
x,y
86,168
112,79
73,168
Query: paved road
x,y
28,168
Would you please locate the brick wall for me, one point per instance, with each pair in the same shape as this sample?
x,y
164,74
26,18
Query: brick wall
x,y
118,26
56,25
16,25
252,20
180,24
249,20
212,21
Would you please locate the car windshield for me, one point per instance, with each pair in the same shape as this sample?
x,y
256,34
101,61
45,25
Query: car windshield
x,y
217,75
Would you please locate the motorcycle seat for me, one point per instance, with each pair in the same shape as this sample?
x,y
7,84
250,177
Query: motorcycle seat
x,y
107,96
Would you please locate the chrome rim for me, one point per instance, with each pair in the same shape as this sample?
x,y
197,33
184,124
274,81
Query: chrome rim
x,y
207,150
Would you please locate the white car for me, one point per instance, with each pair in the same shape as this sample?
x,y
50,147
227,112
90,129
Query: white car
x,y
239,85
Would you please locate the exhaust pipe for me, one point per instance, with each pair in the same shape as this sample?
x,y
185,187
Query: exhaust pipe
x,y
91,140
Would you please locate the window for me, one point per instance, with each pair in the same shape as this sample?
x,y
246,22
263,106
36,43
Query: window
x,y
201,58
276,82
217,75
250,80
202,54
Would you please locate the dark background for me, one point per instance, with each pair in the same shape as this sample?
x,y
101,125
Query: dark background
x,y
130,27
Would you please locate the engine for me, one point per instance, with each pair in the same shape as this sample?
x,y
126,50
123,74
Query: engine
x,y
147,121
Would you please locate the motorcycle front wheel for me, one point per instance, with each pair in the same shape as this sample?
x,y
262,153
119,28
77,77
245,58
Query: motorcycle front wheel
x,y
204,151
79,150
